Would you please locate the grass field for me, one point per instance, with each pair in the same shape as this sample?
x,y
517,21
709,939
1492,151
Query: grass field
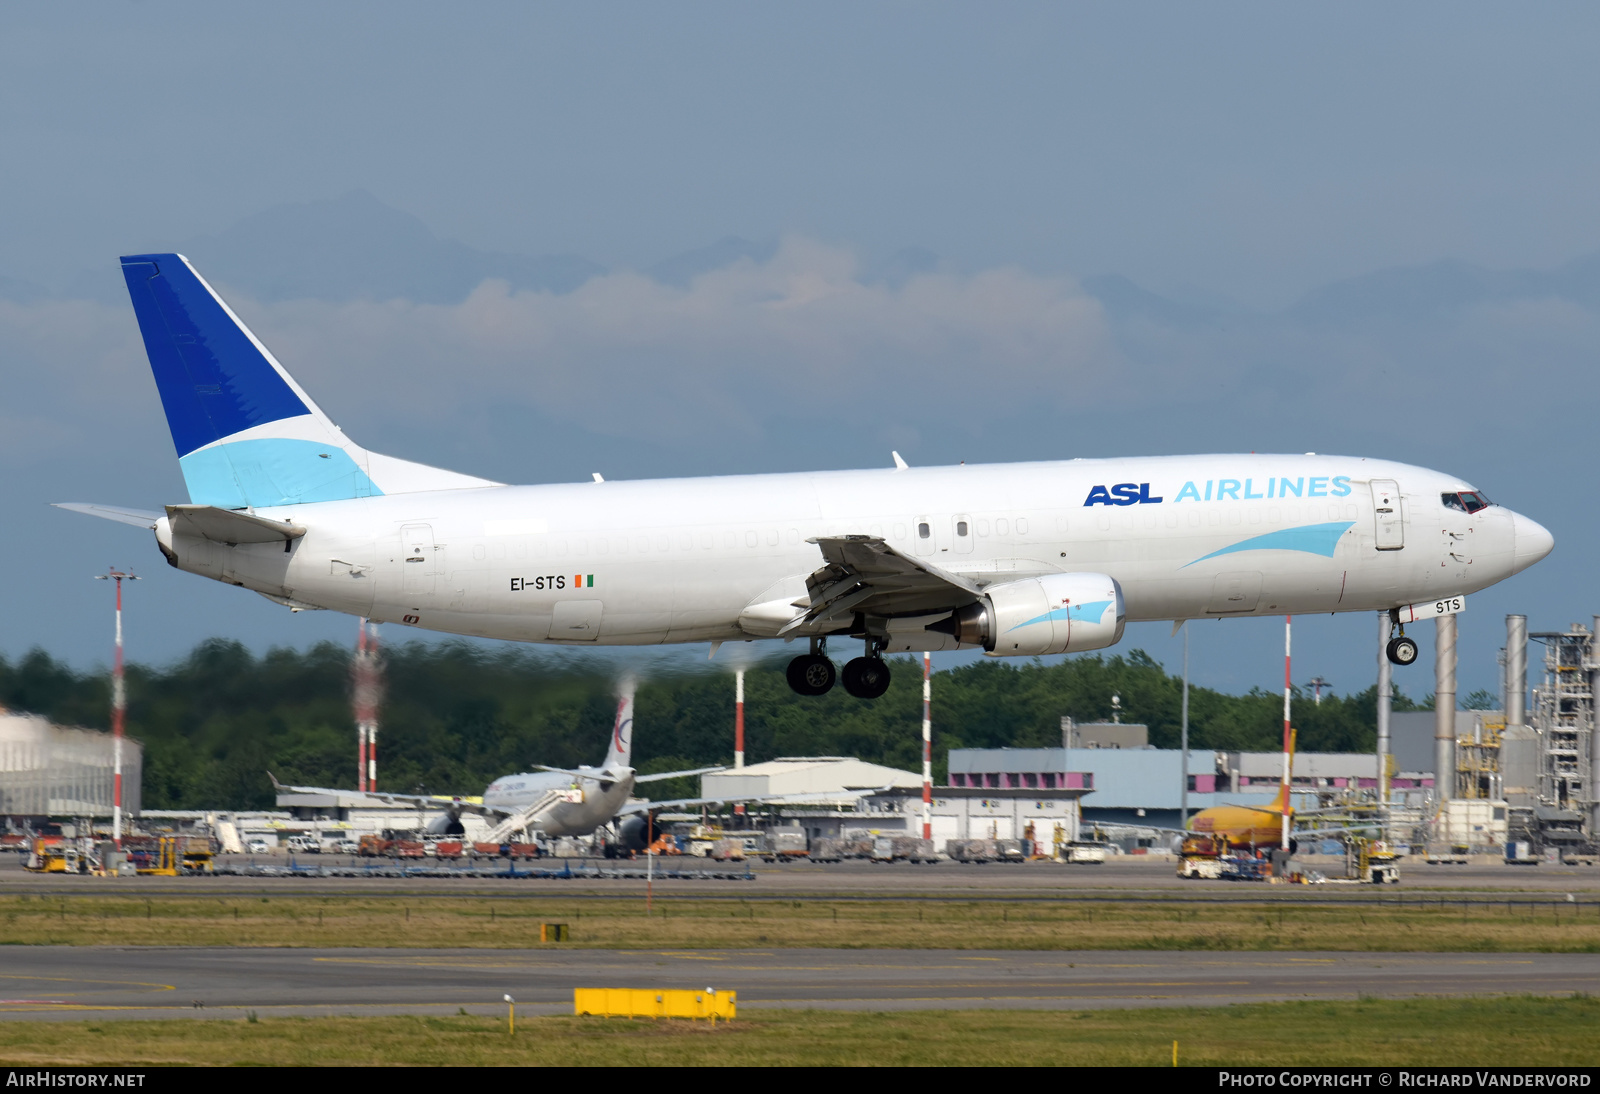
x,y
1503,1032
679,923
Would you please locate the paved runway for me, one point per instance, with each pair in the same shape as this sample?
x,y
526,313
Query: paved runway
x,y
79,982
1128,878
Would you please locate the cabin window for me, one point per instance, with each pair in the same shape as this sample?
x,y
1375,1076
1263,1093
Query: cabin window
x,y
923,531
961,527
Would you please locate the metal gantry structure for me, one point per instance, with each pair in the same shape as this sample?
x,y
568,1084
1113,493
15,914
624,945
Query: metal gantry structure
x,y
1560,809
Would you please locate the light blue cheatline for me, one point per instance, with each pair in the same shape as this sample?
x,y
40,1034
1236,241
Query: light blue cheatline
x,y
1313,539
1093,611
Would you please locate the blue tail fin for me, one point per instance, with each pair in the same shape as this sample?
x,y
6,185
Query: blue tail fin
x,y
247,436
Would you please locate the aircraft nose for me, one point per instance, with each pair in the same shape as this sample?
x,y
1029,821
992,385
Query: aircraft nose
x,y
1532,541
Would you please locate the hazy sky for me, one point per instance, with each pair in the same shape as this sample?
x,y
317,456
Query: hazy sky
x,y
1233,158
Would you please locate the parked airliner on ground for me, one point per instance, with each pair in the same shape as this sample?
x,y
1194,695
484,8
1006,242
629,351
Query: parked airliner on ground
x,y
551,801
1015,559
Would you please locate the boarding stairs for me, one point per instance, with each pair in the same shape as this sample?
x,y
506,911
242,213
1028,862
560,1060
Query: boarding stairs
x,y
528,819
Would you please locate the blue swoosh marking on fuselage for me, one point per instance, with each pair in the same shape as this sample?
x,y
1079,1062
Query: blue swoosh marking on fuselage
x,y
1313,539
1093,612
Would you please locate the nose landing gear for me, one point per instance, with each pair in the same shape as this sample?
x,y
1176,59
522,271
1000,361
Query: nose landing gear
x,y
1400,650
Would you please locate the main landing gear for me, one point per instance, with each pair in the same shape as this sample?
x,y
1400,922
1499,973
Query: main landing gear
x,y
1401,650
865,677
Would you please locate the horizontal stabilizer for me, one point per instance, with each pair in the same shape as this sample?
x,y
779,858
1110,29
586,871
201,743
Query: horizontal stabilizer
x,y
227,526
658,776
139,518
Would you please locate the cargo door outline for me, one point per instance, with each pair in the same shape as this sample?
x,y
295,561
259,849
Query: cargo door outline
x,y
419,562
576,620
1388,516
1235,592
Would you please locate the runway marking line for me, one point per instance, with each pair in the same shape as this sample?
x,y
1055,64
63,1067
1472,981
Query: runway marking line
x,y
85,980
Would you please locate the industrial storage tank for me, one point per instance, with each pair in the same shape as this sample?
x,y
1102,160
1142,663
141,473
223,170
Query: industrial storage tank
x,y
52,771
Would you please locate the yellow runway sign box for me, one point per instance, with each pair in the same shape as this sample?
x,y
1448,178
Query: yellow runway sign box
x,y
654,1003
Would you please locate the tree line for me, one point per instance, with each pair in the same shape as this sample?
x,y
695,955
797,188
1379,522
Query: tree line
x,y
456,715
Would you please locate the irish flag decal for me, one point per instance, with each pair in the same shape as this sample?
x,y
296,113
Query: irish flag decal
x,y
580,581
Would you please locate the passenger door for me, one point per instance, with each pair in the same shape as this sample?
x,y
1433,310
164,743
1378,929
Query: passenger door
x,y
922,536
1389,527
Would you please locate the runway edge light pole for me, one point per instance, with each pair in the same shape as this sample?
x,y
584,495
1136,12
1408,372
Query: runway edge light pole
x,y
119,709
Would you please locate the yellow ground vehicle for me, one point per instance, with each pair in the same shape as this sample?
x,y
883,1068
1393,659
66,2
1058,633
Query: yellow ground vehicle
x,y
175,856
54,855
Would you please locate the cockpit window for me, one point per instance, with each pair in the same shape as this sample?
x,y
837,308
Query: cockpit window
x,y
1470,501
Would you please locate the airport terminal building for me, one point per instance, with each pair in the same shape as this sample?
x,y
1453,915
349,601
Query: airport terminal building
x,y
1128,782
52,771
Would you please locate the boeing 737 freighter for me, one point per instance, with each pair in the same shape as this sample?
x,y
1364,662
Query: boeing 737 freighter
x,y
1014,559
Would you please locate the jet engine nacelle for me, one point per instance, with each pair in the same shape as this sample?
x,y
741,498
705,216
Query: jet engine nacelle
x,y
632,833
447,825
1060,613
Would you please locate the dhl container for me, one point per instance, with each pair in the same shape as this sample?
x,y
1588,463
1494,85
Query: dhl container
x,y
447,849
524,850
490,849
407,848
654,1003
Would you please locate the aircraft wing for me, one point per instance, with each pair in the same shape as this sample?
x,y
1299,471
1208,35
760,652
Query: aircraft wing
x,y
658,776
604,776
675,803
865,574
460,805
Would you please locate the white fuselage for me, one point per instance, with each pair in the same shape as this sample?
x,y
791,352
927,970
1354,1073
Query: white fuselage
x,y
685,560
598,799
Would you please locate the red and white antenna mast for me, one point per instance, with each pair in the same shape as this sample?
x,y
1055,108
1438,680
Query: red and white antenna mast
x,y
366,693
927,745
738,718
119,708
1287,734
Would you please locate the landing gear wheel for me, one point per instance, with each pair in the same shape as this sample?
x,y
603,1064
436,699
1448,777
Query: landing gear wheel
x,y
1401,651
811,674
866,677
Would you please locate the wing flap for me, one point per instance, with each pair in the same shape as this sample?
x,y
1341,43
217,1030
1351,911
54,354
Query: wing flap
x,y
864,574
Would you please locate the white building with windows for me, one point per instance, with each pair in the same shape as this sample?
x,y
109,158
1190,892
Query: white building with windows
x,y
51,771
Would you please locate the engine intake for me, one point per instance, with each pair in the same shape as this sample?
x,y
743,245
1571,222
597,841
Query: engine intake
x,y
1061,613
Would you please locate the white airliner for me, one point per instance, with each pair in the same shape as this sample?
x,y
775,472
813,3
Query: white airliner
x,y
553,801
1015,559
